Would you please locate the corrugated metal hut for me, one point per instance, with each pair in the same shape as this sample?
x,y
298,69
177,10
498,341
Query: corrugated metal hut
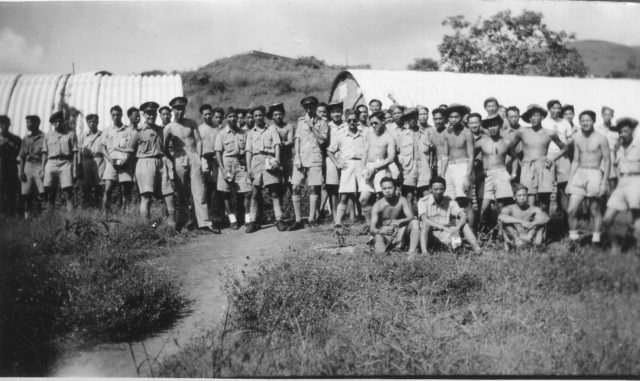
x,y
413,88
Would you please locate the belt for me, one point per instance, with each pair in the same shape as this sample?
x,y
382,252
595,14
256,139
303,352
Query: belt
x,y
457,161
97,155
496,167
150,157
589,167
627,174
355,158
60,157
34,160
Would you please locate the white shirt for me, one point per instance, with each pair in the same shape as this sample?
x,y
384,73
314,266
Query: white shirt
x,y
560,127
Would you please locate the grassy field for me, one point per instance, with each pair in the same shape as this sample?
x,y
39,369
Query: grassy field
x,y
343,313
71,279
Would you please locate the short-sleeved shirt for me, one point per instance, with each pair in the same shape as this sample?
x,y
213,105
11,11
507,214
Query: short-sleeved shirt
x,y
560,127
10,148
147,142
443,213
263,140
208,135
117,141
310,150
231,142
91,144
407,146
351,146
335,130
31,149
628,159
57,144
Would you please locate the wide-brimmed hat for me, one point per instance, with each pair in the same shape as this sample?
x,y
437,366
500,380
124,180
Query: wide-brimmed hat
x,y
455,107
633,123
410,112
494,120
335,106
531,109
273,108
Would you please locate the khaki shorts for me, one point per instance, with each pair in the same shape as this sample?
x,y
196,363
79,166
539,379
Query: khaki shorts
x,y
239,179
409,173
312,175
585,182
152,176
424,173
627,195
58,171
261,176
396,240
92,170
455,176
351,179
372,184
537,177
120,174
33,171
332,172
497,184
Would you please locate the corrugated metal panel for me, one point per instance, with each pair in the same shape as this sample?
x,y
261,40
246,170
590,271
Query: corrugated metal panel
x,y
81,94
160,89
411,88
7,83
33,94
123,90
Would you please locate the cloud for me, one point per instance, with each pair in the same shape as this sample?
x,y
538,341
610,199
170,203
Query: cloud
x,y
16,53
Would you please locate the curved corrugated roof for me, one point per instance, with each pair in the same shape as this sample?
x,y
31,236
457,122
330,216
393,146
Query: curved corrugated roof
x,y
7,83
412,88
81,94
33,94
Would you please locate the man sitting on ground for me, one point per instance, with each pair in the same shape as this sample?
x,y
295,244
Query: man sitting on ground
x,y
522,222
443,219
392,221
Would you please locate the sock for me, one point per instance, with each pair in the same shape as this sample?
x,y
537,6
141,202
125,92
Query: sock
x,y
277,211
339,214
296,199
313,202
232,218
247,218
595,238
574,235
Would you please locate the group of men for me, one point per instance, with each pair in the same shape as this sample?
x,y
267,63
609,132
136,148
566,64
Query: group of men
x,y
415,184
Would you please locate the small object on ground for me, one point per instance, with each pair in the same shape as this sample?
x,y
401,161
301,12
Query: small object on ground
x,y
252,227
296,226
234,226
281,226
154,225
210,229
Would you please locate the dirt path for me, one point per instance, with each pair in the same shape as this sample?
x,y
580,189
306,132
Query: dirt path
x,y
199,264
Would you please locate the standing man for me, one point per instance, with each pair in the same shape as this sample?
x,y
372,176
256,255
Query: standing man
x,y
165,115
457,164
9,182
263,159
392,221
568,113
276,113
523,223
409,153
242,122
31,172
208,131
187,143
92,160
491,106
508,131
538,167
116,149
609,130
337,127
424,150
59,160
249,122
311,133
133,113
363,114
375,105
437,142
151,173
231,144
587,179
626,196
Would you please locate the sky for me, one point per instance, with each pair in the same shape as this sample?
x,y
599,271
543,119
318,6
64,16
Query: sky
x,y
134,36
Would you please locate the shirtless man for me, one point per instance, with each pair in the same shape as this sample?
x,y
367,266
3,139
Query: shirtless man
x,y
457,163
392,220
608,129
587,179
187,144
495,184
437,142
285,130
208,131
538,169
477,132
523,223
626,196
380,151
508,130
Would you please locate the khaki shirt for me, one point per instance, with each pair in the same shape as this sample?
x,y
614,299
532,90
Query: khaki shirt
x,y
147,142
57,144
208,135
118,141
408,149
628,159
31,149
444,213
231,142
263,140
335,130
91,145
310,150
10,148
350,146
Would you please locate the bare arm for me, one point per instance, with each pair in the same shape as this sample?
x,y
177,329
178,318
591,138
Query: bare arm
x,y
563,147
196,135
575,162
462,219
470,155
167,141
540,217
373,226
604,145
445,158
506,217
290,136
407,211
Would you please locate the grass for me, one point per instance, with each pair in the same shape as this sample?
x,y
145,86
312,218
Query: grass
x,y
333,313
75,278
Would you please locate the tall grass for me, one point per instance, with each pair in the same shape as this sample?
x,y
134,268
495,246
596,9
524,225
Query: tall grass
x,y
317,313
73,278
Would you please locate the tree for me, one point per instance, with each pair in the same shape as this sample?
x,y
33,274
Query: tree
x,y
506,44
424,64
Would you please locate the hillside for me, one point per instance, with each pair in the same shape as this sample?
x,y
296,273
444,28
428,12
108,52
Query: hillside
x,y
605,58
256,78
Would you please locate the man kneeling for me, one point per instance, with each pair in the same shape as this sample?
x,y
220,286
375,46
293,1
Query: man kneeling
x,y
523,223
392,221
443,219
